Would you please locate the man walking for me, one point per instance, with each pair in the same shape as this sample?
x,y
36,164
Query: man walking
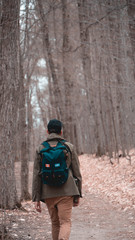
x,y
59,199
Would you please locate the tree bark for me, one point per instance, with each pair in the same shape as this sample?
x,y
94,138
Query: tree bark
x,y
25,195
84,11
67,78
56,92
9,85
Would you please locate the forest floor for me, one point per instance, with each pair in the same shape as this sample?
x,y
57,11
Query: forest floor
x,y
106,211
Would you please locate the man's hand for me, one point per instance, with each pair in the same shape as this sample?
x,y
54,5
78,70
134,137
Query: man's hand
x,y
76,201
38,206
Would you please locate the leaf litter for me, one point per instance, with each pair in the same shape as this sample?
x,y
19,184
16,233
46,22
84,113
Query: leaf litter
x,y
115,182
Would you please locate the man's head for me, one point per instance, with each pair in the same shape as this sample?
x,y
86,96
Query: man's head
x,y
54,126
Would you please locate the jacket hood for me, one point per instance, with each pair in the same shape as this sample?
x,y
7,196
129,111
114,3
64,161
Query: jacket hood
x,y
54,136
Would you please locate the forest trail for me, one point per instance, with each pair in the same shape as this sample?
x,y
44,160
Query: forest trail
x,y
94,219
97,219
106,211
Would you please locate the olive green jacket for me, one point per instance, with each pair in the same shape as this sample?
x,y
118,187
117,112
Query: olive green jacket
x,y
42,191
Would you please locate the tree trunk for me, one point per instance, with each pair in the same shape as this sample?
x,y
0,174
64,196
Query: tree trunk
x,y
131,15
84,12
9,85
67,78
56,92
23,140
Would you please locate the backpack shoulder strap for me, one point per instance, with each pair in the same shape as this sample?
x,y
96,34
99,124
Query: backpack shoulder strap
x,y
46,146
63,142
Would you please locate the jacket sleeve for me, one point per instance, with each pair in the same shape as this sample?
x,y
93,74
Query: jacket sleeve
x,y
75,166
37,181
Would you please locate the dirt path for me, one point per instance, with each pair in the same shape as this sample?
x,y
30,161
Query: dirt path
x,y
106,211
94,219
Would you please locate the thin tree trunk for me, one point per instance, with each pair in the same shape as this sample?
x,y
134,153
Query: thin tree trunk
x,y
67,78
25,129
50,61
23,141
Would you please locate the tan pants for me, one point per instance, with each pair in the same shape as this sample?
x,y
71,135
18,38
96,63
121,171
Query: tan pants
x,y
60,209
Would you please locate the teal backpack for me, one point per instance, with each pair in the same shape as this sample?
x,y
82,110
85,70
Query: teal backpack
x,y
54,170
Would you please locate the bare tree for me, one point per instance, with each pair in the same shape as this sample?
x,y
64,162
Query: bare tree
x,y
23,140
53,78
89,69
9,86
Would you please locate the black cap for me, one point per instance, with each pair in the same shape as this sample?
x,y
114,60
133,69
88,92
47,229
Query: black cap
x,y
54,126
